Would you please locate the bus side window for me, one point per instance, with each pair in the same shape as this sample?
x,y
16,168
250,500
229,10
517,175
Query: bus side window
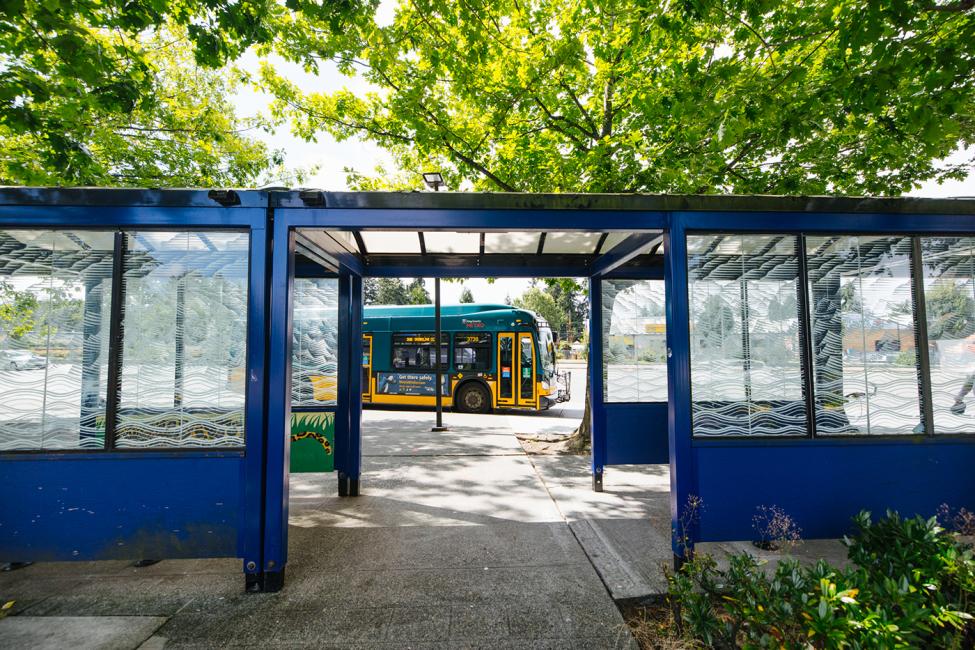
x,y
472,351
417,352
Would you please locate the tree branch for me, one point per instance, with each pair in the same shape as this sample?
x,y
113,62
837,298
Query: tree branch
x,y
479,167
585,113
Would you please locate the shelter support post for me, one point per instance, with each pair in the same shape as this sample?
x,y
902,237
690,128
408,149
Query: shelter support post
x,y
438,427
267,574
354,458
348,414
684,506
597,422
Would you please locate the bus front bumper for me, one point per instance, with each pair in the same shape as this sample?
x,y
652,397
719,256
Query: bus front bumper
x,y
563,392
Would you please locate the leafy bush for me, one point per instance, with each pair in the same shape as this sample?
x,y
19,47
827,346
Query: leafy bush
x,y
910,583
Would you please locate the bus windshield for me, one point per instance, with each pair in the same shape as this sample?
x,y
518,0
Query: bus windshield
x,y
546,347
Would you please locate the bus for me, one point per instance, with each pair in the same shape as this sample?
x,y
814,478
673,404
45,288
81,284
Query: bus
x,y
492,357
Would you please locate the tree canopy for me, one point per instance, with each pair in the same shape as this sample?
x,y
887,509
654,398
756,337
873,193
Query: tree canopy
x,y
135,92
542,303
825,96
187,135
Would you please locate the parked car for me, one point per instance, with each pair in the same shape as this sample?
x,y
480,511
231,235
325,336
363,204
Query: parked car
x,y
20,360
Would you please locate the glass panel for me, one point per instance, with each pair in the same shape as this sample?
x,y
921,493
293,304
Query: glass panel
x,y
366,365
746,376
185,329
55,308
863,335
472,352
571,242
511,242
385,241
505,363
612,239
634,341
314,342
949,298
416,352
344,237
452,242
527,367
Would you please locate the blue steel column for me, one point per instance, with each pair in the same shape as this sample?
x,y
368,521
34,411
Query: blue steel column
x,y
683,512
354,457
255,422
597,419
343,396
278,411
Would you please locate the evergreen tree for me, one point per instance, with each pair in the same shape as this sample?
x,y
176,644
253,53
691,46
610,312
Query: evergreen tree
x,y
391,291
370,291
466,297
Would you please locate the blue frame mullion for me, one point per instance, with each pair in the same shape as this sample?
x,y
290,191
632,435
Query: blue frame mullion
x,y
683,480
277,447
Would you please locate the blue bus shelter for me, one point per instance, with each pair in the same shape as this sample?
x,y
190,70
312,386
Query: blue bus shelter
x,y
817,354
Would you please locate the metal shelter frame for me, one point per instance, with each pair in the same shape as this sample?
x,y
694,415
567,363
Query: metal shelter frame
x,y
119,508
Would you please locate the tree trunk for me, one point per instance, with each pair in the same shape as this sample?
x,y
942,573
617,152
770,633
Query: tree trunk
x,y
581,439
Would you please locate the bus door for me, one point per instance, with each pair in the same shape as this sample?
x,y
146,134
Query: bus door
x,y
506,369
366,367
516,369
526,369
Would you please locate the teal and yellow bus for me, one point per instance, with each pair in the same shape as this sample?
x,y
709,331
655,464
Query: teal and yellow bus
x,y
492,356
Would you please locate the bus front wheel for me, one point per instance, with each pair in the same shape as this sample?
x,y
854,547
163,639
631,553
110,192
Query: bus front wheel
x,y
473,398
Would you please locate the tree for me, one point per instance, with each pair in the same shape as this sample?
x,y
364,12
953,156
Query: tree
x,y
187,136
826,96
569,297
716,324
78,76
417,293
466,297
370,291
391,291
536,300
950,311
17,311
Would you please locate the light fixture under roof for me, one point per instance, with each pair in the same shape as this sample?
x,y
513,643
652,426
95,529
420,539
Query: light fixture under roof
x,y
434,180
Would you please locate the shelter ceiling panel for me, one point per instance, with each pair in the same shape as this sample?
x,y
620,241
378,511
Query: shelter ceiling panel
x,y
571,242
390,241
452,242
511,242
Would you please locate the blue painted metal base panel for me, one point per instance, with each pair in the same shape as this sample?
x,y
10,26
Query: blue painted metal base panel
x,y
823,484
101,507
636,433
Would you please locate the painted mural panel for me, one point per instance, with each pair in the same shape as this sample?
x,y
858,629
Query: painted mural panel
x,y
312,442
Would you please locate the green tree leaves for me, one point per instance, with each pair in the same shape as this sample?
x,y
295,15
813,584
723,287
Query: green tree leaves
x,y
831,96
106,92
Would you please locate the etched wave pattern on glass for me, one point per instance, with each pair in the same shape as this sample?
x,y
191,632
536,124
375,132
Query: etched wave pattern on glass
x,y
949,296
55,302
864,346
634,341
185,329
746,369
314,364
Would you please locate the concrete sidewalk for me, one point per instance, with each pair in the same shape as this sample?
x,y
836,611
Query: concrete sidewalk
x,y
459,540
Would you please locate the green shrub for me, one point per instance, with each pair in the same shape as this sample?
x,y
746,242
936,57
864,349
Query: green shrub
x,y
910,584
